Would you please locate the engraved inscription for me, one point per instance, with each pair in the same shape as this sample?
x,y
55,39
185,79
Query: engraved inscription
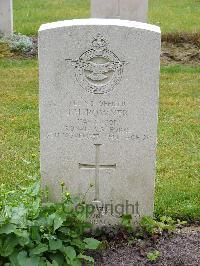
x,y
97,166
96,120
98,70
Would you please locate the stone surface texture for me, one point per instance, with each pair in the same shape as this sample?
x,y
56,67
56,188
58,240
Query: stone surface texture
x,y
6,17
136,10
99,89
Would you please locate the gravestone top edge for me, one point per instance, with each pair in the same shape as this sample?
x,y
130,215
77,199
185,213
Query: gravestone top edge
x,y
100,22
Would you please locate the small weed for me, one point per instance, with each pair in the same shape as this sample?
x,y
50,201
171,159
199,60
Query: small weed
x,y
149,227
126,222
153,227
153,255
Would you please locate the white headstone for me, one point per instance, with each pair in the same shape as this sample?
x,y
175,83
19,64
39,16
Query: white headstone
x,y
6,17
99,86
136,10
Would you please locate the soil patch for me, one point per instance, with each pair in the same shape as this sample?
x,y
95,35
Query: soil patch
x,y
181,48
180,53
180,249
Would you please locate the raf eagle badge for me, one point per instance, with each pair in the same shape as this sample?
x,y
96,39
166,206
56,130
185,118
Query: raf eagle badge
x,y
98,70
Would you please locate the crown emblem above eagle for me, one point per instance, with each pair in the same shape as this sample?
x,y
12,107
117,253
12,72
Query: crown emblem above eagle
x,y
99,42
98,69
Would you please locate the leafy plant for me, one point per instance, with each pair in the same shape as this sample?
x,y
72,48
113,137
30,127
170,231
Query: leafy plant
x,y
36,234
152,227
127,222
19,42
153,255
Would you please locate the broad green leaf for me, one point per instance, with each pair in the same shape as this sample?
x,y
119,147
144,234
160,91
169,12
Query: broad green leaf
x,y
64,230
55,244
78,243
91,243
7,229
23,237
39,249
55,220
35,234
8,246
58,257
42,262
34,189
14,259
54,263
70,252
18,214
35,206
24,260
50,219
58,221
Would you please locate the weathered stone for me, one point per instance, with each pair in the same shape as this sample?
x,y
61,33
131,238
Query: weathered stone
x,y
6,17
99,82
136,10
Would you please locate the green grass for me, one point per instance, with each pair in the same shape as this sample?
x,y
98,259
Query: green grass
x,y
175,15
30,14
19,121
178,163
178,174
171,15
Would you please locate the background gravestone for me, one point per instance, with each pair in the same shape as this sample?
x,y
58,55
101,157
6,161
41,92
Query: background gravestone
x,y
123,9
99,82
6,17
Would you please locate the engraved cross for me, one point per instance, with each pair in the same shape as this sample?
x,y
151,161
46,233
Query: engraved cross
x,y
97,166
